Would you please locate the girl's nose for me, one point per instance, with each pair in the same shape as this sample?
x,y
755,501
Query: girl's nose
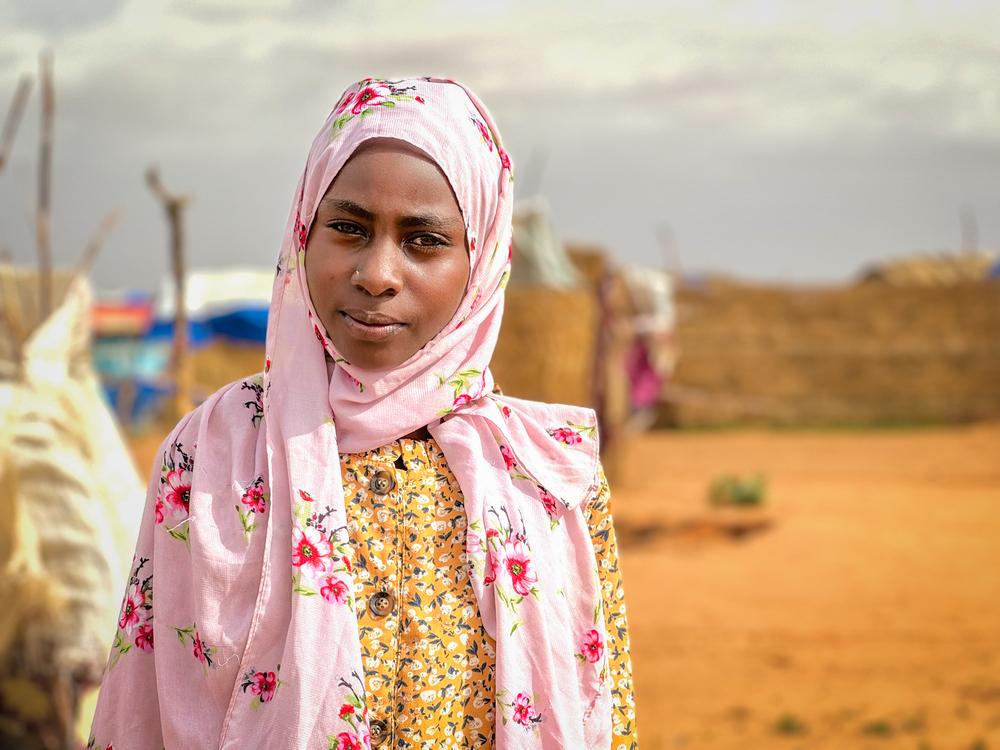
x,y
379,270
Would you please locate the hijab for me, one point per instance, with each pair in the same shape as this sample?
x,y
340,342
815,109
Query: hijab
x,y
292,676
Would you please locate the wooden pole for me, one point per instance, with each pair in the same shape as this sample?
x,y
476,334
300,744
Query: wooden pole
x,y
96,243
180,364
42,223
13,118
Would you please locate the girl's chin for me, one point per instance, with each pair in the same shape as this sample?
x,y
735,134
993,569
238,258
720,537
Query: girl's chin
x,y
366,355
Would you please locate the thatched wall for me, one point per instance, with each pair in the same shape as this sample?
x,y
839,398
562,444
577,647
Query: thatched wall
x,y
863,354
546,346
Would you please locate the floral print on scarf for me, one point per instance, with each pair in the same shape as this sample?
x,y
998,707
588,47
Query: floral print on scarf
x,y
354,713
135,622
173,500
369,94
572,434
520,709
321,564
505,562
253,502
466,385
189,637
260,685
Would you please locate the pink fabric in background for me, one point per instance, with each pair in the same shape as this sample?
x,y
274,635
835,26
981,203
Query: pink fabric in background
x,y
283,660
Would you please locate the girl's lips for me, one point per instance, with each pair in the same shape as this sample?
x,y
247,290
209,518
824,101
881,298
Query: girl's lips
x,y
370,331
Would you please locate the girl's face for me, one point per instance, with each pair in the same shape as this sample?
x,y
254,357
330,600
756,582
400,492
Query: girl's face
x,y
386,258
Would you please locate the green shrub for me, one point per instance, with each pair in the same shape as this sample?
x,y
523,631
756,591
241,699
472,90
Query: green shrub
x,y
736,491
790,724
877,728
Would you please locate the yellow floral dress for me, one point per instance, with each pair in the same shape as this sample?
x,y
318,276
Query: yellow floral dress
x,y
428,660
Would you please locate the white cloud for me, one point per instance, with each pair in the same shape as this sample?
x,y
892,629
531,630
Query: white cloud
x,y
725,100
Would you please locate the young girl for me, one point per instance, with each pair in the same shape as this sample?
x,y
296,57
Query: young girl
x,y
452,580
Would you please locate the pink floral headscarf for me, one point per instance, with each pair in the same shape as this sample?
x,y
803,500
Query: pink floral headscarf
x,y
287,672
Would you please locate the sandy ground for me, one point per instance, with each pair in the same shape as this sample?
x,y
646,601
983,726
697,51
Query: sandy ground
x,y
859,608
867,615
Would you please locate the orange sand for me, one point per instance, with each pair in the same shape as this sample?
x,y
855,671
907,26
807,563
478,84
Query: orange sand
x,y
866,616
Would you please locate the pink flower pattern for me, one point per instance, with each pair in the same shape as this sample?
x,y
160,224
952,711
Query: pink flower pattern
x,y
467,386
254,501
508,458
521,710
354,713
592,646
254,497
310,549
135,619
202,652
519,567
132,607
524,712
334,590
348,741
506,560
144,638
173,497
566,436
321,564
483,131
178,490
199,649
572,434
548,501
261,684
371,95
367,96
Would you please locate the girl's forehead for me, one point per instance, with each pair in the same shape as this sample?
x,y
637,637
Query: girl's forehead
x,y
396,187
383,170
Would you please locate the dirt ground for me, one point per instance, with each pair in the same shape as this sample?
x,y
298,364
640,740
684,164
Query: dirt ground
x,y
859,608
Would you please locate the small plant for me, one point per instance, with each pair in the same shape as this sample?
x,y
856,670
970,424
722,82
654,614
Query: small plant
x,y
790,725
877,728
731,490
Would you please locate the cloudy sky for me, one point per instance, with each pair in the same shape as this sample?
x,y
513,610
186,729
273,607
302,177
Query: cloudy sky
x,y
774,140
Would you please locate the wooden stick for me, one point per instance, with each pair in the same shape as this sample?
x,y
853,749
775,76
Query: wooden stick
x,y
13,118
174,206
42,223
93,248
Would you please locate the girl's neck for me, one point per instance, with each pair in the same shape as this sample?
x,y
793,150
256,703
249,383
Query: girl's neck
x,y
419,434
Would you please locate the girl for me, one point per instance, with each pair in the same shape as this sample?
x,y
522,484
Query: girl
x,y
452,580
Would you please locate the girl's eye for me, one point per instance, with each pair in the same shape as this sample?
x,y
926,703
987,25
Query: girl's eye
x,y
427,240
346,227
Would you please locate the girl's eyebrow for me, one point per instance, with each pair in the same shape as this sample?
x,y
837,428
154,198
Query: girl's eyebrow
x,y
431,221
428,220
350,207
